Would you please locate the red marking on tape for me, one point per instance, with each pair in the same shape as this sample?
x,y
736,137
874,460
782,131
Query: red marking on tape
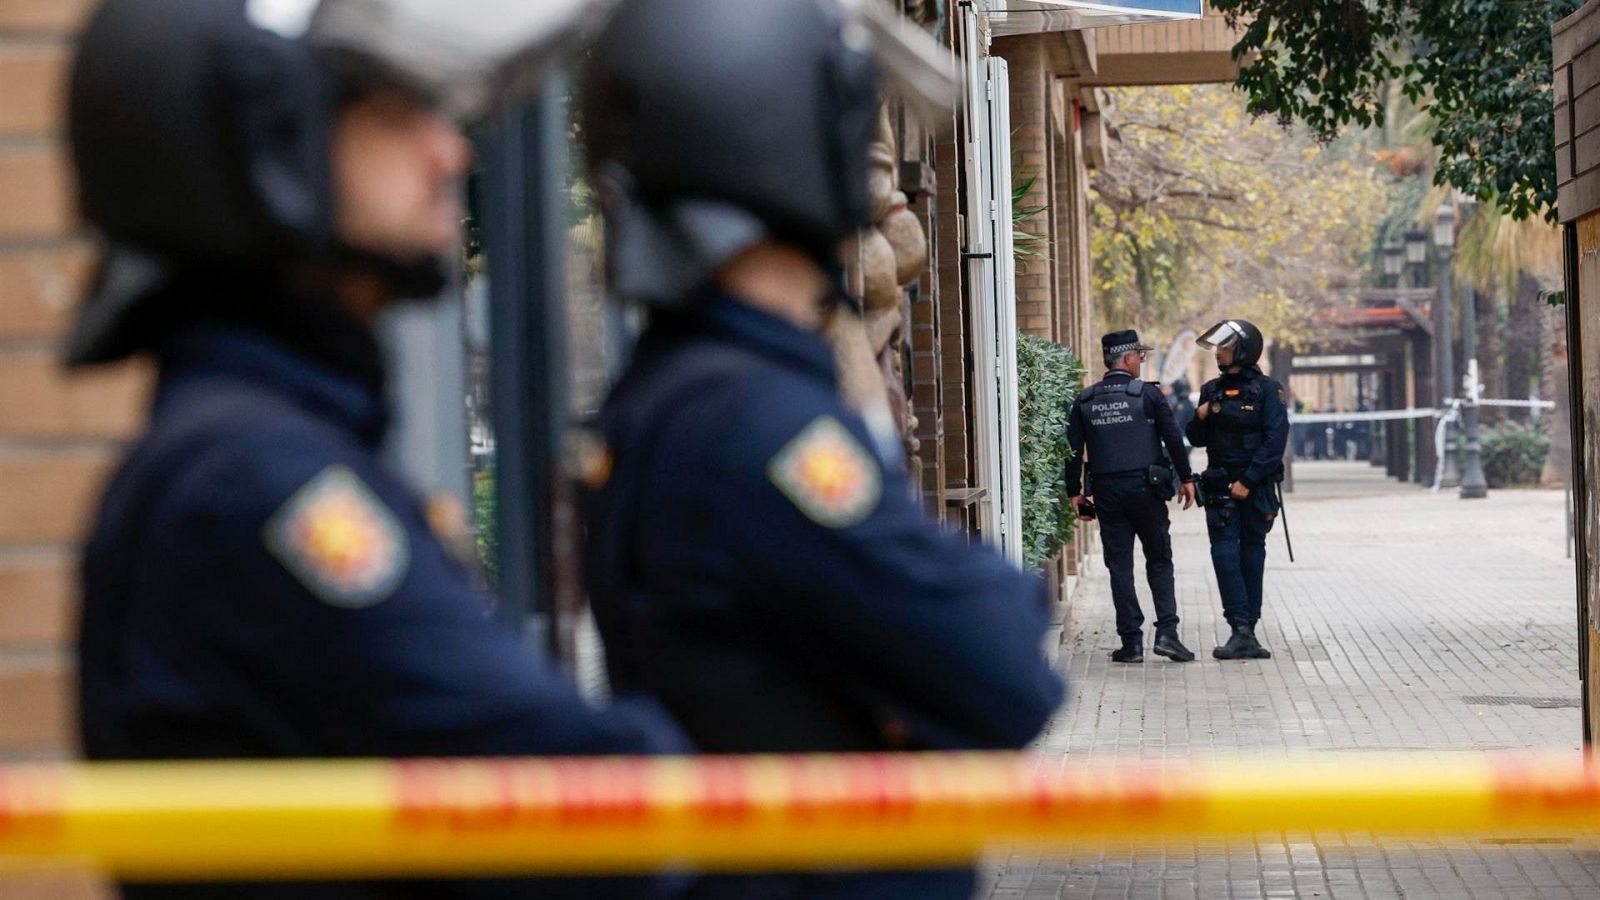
x,y
601,792
31,800
485,795
724,791
1520,788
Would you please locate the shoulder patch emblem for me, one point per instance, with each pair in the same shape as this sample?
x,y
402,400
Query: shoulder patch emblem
x,y
828,475
340,540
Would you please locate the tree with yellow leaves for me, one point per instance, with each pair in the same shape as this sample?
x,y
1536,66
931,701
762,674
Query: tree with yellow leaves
x,y
1202,212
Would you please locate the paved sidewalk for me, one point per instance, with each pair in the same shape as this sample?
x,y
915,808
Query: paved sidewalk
x,y
1412,622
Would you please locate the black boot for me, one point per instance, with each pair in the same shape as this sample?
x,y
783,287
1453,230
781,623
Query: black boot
x,y
1132,650
1237,646
1242,645
1168,645
1255,650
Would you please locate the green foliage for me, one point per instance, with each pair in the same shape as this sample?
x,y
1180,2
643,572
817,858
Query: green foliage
x,y
1048,380
484,510
1513,454
1205,212
1025,244
1481,69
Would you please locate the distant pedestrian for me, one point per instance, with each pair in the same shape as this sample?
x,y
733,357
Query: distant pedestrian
x,y
1243,422
1181,403
1126,429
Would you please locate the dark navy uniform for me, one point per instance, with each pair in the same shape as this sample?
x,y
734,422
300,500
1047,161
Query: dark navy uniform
x,y
1245,434
755,564
259,585
1126,426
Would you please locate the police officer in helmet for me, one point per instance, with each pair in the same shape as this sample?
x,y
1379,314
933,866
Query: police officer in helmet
x,y
755,556
1126,429
1243,422
267,177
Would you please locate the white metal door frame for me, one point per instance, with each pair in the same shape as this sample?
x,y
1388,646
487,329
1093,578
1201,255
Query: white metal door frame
x,y
991,281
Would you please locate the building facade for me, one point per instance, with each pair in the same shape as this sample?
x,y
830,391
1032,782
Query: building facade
x,y
1577,140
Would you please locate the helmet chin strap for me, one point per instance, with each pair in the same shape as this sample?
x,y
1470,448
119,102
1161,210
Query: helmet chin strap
x,y
422,281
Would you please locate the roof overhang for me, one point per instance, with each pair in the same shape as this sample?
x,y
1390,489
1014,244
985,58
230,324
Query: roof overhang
x,y
1008,17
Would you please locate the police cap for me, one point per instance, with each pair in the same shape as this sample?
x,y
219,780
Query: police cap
x,y
1119,342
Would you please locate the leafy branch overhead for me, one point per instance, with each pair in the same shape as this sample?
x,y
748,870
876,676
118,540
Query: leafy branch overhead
x,y
1202,211
1480,68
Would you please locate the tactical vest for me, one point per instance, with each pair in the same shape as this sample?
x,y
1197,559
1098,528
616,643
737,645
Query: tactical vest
x,y
1236,429
1121,437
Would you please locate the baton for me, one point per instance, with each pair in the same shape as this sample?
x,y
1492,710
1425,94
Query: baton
x,y
1283,512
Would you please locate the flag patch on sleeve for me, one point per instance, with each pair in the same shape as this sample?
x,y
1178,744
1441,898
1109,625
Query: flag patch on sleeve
x,y
828,474
340,540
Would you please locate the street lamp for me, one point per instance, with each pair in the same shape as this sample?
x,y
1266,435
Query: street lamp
x,y
1417,254
1474,486
1444,378
1394,260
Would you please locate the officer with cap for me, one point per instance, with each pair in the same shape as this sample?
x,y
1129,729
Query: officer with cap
x,y
1126,429
267,177
752,558
1243,422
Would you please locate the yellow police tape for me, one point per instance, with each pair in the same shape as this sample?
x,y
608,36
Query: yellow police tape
x,y
141,821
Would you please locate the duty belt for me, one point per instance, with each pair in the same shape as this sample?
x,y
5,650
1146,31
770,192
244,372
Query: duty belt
x,y
1112,476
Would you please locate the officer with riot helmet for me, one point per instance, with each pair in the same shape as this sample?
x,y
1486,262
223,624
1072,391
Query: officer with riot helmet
x,y
1124,426
753,557
267,178
1243,422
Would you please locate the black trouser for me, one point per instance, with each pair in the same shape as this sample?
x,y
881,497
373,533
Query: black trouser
x,y
1127,508
1238,531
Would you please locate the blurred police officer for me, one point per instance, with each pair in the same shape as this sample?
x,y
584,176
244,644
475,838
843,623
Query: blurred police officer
x,y
1125,428
754,559
267,177
1243,422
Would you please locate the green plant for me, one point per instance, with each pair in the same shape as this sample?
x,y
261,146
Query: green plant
x,y
1513,454
484,509
1480,68
1026,244
1049,378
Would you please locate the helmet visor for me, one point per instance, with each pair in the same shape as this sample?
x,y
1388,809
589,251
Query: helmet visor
x,y
466,58
918,68
1221,336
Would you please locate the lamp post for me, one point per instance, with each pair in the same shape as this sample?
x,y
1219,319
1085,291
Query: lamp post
x,y
1417,255
1444,378
1474,486
1394,261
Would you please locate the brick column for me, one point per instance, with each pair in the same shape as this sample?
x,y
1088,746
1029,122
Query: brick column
x,y
1027,61
952,312
58,435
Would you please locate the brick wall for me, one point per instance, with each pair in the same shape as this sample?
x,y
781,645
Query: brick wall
x,y
953,362
927,391
1054,289
1074,266
1026,59
58,435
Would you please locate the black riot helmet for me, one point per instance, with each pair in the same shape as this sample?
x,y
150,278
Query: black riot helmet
x,y
1242,337
201,130
711,125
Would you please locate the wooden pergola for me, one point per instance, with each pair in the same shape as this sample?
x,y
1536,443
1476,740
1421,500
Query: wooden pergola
x,y
1386,337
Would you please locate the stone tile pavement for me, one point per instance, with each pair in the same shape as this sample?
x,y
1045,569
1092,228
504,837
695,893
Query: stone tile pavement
x,y
1412,622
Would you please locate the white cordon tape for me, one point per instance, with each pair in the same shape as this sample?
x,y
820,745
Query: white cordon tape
x,y
1395,415
1385,415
